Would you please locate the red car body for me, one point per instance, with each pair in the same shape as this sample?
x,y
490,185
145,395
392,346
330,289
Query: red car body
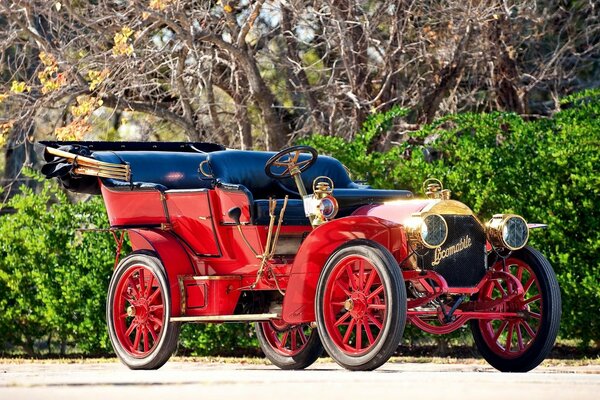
x,y
203,241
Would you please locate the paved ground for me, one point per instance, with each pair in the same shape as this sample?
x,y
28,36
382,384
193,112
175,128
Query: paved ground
x,y
179,380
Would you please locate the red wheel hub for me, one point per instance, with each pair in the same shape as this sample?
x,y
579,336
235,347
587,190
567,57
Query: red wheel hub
x,y
355,305
138,311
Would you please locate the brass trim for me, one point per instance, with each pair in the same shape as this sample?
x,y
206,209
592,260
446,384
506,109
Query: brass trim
x,y
226,318
448,207
494,227
414,233
202,171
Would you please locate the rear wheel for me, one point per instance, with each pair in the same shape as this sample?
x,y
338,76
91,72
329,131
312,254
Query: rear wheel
x,y
520,344
361,306
138,312
289,346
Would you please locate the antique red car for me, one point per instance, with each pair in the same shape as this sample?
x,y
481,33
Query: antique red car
x,y
289,242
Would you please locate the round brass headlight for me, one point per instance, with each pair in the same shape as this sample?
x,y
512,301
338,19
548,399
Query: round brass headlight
x,y
508,231
429,230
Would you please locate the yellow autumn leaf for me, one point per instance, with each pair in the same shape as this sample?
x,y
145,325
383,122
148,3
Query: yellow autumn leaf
x,y
76,130
3,96
97,77
160,5
122,45
19,87
227,8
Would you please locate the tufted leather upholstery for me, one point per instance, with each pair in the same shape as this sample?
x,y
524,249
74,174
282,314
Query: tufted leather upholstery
x,y
160,170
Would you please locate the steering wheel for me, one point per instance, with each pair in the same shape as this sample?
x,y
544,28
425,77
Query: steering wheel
x,y
285,163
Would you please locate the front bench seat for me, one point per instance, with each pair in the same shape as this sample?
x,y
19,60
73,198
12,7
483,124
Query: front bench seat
x,y
246,171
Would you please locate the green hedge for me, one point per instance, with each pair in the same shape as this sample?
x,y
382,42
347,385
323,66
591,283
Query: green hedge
x,y
547,170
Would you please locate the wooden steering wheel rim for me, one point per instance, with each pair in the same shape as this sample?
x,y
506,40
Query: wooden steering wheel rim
x,y
302,165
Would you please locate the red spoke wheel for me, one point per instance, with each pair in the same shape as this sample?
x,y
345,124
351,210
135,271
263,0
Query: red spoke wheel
x,y
361,305
289,346
519,344
138,311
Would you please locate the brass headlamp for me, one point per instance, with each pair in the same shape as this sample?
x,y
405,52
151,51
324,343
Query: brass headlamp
x,y
507,231
426,230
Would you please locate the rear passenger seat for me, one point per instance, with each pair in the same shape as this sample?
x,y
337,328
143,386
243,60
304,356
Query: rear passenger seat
x,y
157,170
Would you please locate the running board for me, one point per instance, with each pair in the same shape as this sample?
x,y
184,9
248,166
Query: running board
x,y
227,318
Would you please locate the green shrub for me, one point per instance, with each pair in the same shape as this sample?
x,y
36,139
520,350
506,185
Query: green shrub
x,y
547,170
53,278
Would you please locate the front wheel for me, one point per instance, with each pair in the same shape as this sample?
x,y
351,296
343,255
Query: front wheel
x,y
361,306
138,312
289,346
521,343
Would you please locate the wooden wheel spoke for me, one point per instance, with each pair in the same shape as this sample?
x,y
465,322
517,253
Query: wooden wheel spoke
x,y
153,334
358,334
339,284
520,337
375,292
156,307
368,331
342,319
500,330
527,285
350,274
498,286
284,338
370,280
532,299
376,306
520,273
349,331
142,282
153,296
361,276
293,344
302,335
156,321
130,329
509,336
138,336
535,315
528,329
145,340
131,284
375,321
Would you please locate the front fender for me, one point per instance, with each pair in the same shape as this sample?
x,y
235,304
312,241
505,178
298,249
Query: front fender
x,y
171,253
298,303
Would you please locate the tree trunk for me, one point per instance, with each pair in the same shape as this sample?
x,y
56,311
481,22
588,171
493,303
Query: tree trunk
x,y
505,73
243,123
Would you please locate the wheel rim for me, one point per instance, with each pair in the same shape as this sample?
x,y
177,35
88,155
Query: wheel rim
x,y
512,337
355,305
287,340
138,311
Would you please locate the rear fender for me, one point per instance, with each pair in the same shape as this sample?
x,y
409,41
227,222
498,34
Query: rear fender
x,y
298,303
171,253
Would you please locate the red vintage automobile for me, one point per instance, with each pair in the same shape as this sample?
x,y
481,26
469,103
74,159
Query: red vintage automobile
x,y
289,242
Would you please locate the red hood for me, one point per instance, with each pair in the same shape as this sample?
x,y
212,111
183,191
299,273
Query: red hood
x,y
400,210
